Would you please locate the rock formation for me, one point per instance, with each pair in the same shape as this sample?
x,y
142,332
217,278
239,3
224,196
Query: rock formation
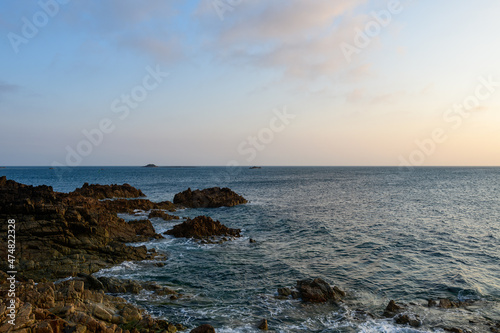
x,y
313,291
60,235
97,191
202,227
161,214
209,198
71,307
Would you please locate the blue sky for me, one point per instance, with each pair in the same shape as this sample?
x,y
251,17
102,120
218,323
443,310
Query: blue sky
x,y
233,66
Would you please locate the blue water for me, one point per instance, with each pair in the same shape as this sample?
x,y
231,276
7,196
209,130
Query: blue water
x,y
379,233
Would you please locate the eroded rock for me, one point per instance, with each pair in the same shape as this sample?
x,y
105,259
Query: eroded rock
x,y
209,198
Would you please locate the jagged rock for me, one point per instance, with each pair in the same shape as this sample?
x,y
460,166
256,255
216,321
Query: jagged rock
x,y
205,328
410,319
97,191
144,228
318,291
263,325
130,206
393,309
202,227
69,307
209,198
64,234
163,215
117,286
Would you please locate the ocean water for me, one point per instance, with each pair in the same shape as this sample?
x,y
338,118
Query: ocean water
x,y
379,233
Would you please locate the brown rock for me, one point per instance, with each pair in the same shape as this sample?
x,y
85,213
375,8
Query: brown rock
x,y
408,319
393,309
263,325
144,228
161,214
209,198
318,291
202,227
97,191
203,329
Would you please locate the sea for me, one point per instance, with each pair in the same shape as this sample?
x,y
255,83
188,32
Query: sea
x,y
379,233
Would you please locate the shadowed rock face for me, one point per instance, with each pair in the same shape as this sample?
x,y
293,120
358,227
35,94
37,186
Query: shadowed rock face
x,y
129,206
209,198
313,291
318,291
202,227
97,191
203,329
60,235
161,214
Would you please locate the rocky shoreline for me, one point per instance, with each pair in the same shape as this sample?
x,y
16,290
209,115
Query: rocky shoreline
x,y
72,235
75,234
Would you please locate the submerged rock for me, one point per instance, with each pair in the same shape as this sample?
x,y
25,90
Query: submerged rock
x,y
202,227
97,191
209,198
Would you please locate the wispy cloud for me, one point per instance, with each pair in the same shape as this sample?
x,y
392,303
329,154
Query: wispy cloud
x,y
300,39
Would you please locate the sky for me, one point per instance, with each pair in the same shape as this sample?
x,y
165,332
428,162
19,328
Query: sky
x,y
250,82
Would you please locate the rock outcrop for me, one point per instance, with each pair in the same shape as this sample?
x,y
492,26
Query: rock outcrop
x,y
97,191
209,198
71,307
133,205
60,235
161,214
205,328
313,291
202,227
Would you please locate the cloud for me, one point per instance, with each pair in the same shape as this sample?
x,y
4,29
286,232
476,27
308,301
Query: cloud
x,y
301,39
145,28
6,88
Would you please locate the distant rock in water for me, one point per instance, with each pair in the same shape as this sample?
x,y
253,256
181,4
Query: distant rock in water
x,y
202,227
313,291
150,166
97,191
255,167
209,198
